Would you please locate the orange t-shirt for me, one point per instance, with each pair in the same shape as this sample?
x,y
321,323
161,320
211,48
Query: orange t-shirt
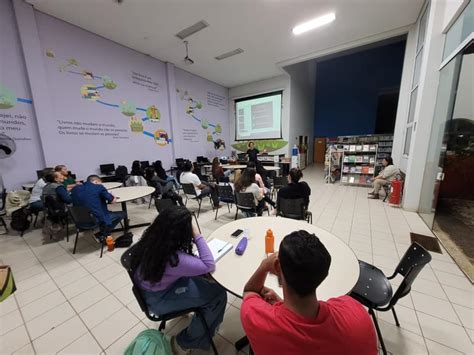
x,y
342,326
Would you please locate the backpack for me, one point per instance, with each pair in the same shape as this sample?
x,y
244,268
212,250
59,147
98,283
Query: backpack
x,y
21,220
149,342
124,241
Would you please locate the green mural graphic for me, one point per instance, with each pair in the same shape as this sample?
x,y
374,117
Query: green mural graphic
x,y
270,145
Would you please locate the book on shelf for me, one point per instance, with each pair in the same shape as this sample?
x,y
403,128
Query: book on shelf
x,y
344,179
359,159
372,160
353,169
371,170
352,148
362,180
352,158
365,159
366,148
358,148
346,159
373,148
345,169
358,169
369,180
346,147
351,180
365,170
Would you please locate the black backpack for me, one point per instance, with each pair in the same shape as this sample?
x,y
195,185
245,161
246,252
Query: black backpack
x,y
21,220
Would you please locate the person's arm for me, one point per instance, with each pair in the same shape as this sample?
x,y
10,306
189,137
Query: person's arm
x,y
256,283
107,195
190,265
63,194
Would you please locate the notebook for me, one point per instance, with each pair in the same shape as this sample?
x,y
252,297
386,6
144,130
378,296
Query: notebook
x,y
219,248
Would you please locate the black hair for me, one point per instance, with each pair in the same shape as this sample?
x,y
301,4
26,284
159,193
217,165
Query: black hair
x,y
149,173
169,233
158,166
45,172
215,166
296,174
188,166
50,177
136,168
251,165
304,262
389,160
91,178
246,179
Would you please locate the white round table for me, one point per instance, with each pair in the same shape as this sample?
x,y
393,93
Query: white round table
x,y
233,167
233,271
274,168
111,185
125,194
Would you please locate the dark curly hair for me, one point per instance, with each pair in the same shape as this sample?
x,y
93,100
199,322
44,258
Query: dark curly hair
x,y
169,233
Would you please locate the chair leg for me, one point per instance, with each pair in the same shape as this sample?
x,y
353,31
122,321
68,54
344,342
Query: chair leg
x,y
102,248
197,223
199,201
149,205
379,333
208,331
228,207
236,212
395,316
186,202
67,231
217,210
4,224
36,219
75,243
162,325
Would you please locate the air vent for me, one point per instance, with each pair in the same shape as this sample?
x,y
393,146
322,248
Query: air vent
x,y
230,54
192,29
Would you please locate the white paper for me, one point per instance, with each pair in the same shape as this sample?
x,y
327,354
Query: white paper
x,y
219,248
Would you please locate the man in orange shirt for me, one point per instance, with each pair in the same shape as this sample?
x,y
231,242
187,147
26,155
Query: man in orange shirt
x,y
299,323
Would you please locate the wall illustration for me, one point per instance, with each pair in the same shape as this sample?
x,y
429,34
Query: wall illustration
x,y
202,111
94,88
270,145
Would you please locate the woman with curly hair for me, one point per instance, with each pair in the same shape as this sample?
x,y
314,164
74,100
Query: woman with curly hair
x,y
171,278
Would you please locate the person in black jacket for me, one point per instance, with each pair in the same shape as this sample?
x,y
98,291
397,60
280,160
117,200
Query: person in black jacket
x,y
295,188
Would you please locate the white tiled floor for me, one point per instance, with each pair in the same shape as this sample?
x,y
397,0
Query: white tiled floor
x,y
80,304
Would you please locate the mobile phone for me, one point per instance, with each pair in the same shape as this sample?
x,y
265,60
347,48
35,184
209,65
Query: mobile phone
x,y
237,233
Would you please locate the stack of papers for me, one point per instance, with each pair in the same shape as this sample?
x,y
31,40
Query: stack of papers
x,y
219,248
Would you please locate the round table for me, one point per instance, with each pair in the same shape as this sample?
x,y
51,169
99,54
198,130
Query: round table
x,y
233,167
125,194
233,271
111,185
274,168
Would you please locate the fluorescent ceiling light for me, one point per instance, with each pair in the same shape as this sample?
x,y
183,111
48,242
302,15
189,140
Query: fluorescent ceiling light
x,y
314,23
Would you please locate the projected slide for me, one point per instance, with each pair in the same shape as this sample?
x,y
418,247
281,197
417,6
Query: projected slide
x,y
258,117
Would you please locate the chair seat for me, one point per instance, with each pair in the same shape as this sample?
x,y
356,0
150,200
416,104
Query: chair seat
x,y
226,200
372,288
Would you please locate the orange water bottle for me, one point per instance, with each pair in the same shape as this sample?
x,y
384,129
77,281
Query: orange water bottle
x,y
110,243
269,242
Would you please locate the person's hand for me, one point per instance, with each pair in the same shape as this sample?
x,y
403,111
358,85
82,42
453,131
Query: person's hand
x,y
115,200
269,295
268,264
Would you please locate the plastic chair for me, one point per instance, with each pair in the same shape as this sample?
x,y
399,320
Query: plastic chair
x,y
189,190
84,221
226,195
126,261
162,204
121,174
56,212
245,202
374,290
294,209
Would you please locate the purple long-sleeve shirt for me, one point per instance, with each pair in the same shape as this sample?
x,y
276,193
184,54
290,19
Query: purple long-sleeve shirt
x,y
189,265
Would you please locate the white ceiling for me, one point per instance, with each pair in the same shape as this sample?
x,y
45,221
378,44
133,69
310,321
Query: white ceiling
x,y
261,27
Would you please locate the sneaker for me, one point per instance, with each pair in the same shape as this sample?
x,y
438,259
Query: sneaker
x,y
371,193
176,348
373,197
98,237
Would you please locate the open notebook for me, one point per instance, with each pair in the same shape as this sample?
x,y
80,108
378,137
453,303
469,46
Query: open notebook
x,y
219,248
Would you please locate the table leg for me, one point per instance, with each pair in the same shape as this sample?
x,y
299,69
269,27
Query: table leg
x,y
126,222
241,343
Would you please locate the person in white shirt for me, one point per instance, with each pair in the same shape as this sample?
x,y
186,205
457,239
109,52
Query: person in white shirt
x,y
36,204
202,188
247,183
387,175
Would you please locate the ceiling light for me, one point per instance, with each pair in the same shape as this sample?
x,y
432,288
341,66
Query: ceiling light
x,y
229,54
314,23
198,26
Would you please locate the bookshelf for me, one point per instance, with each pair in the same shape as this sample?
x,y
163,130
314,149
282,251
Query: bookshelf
x,y
358,164
384,150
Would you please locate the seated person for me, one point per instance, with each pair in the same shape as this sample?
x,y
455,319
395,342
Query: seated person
x,y
161,173
36,204
69,181
55,188
218,172
93,195
247,183
171,278
163,188
386,175
258,177
202,188
299,323
295,188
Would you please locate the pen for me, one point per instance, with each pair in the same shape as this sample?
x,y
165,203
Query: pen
x,y
221,249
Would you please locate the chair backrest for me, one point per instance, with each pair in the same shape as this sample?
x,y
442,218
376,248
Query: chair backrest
x,y
280,181
121,173
189,189
126,261
245,200
291,208
162,204
81,215
3,198
411,264
225,192
54,208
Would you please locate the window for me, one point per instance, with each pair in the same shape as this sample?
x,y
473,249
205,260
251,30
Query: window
x,y
416,79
